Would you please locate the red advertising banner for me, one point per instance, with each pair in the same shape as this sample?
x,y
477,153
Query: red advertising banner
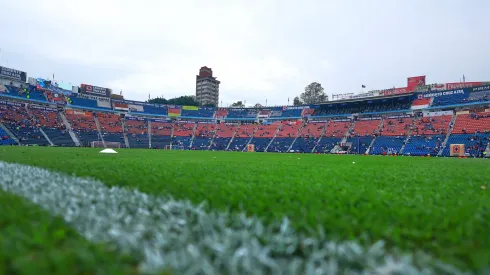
x,y
461,85
416,81
397,91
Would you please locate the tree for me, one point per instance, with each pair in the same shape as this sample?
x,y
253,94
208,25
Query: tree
x,y
186,100
297,101
209,105
258,105
238,104
314,93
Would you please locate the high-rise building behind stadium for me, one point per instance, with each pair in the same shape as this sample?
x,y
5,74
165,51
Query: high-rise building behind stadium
x,y
207,87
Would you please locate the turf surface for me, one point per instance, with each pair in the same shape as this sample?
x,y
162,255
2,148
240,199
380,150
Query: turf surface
x,y
440,206
33,242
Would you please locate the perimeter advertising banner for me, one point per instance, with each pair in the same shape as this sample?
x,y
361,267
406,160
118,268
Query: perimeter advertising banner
x,y
13,74
95,90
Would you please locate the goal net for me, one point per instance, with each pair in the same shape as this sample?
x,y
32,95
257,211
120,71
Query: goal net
x,y
108,144
174,147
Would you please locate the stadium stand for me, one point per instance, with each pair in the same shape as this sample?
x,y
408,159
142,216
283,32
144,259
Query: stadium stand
x,y
18,121
111,127
242,136
387,145
161,133
365,128
137,132
83,124
224,134
337,129
308,137
409,123
183,132
198,113
285,136
422,145
366,106
434,125
396,126
5,139
203,136
360,144
242,113
264,135
52,125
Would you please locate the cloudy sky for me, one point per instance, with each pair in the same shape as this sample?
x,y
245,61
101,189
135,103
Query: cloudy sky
x,y
258,49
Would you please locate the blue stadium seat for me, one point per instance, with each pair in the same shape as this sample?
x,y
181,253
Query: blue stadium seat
x,y
475,144
387,145
423,145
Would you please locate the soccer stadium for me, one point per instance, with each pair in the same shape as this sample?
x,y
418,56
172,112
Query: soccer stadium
x,y
386,180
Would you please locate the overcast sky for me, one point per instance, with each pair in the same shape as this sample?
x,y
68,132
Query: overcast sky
x,y
258,49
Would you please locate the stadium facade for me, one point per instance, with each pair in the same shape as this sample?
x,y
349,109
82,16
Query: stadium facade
x,y
449,119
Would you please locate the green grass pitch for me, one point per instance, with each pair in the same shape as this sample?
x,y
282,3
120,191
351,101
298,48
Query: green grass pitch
x,y
437,205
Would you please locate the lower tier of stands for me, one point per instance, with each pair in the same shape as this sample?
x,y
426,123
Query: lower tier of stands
x,y
475,144
201,143
138,141
5,139
220,143
423,145
59,137
238,144
386,145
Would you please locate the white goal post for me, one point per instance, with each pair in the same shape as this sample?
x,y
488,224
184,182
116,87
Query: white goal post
x,y
108,144
174,147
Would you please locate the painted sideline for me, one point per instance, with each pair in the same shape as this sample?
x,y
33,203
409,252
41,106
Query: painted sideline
x,y
163,233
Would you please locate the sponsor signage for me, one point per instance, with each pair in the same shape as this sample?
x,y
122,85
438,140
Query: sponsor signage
x,y
95,90
462,85
481,89
439,94
4,102
13,74
416,81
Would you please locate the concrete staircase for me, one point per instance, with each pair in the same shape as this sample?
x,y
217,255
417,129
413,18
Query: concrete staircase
x,y
321,136
14,138
349,131
125,134
297,135
46,136
193,135
96,119
39,128
449,130
405,142
149,133
214,135
69,129
234,134
380,126
274,137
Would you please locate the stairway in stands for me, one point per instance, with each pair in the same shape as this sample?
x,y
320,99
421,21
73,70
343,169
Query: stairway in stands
x,y
449,131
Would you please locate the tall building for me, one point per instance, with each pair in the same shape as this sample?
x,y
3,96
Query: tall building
x,y
207,87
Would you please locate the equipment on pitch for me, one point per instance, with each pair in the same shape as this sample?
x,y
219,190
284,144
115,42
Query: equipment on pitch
x,y
456,150
251,148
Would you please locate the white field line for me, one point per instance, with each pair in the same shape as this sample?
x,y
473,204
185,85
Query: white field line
x,y
168,233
